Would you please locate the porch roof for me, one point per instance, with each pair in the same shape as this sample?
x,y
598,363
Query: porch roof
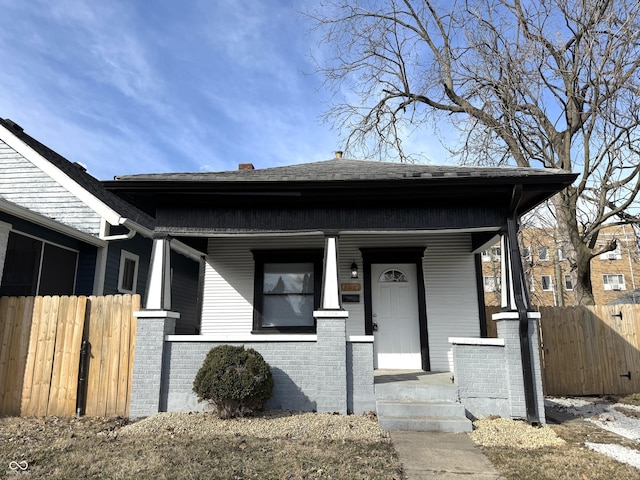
x,y
345,180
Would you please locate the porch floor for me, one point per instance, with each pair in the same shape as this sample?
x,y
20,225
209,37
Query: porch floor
x,y
412,377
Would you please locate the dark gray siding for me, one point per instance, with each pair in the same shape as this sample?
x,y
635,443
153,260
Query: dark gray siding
x,y
185,294
137,245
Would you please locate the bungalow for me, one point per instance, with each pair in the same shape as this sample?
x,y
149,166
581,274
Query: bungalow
x,y
347,276
63,233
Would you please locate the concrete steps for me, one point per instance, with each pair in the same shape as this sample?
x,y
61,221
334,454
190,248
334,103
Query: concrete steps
x,y
420,406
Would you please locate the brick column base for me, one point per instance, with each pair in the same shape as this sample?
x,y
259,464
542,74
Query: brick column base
x,y
151,327
331,361
508,327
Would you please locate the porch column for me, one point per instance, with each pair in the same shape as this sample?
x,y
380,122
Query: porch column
x,y
153,323
159,283
331,332
515,300
5,228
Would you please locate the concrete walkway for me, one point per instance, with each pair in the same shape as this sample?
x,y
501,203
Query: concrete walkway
x,y
437,455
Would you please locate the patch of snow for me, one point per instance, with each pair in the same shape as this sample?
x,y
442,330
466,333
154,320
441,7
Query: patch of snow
x,y
604,415
601,413
618,452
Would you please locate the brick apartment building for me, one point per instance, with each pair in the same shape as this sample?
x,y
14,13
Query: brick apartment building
x,y
551,282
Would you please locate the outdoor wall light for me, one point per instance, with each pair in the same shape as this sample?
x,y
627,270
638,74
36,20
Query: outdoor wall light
x,y
354,270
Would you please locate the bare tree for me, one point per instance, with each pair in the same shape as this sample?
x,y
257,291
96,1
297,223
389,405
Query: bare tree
x,y
535,83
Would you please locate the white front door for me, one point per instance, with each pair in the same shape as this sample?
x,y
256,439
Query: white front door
x,y
394,297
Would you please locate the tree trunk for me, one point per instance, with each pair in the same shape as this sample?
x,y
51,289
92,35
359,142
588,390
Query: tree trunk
x,y
579,254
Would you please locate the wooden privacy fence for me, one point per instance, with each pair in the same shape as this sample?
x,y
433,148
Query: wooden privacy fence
x,y
591,350
40,341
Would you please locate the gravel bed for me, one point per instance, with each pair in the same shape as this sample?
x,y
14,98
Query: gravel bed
x,y
504,432
271,424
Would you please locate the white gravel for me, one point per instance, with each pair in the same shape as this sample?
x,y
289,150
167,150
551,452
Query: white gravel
x,y
604,415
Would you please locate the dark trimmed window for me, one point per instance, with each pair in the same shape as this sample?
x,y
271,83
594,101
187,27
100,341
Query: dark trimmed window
x,y
286,290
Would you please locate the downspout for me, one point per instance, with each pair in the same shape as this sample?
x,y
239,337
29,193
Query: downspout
x,y
521,305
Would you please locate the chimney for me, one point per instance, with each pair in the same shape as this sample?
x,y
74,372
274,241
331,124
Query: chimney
x,y
339,154
246,166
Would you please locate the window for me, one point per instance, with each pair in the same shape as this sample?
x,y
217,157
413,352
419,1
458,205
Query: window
x,y
393,276
560,254
612,255
491,284
36,267
545,280
128,274
568,282
493,254
543,253
613,282
286,290
526,253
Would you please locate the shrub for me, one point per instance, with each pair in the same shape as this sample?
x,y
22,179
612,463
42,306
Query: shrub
x,y
236,381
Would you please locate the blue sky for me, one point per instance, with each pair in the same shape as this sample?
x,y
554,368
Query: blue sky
x,y
133,86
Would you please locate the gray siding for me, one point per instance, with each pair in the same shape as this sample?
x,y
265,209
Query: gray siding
x,y
24,184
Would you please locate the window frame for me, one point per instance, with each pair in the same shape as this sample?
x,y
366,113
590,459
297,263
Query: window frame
x,y
550,288
606,277
545,257
494,280
615,254
564,279
124,256
262,257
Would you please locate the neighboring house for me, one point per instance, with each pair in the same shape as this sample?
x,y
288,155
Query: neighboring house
x,y
335,270
63,233
548,271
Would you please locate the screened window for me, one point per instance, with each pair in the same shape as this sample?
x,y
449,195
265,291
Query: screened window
x,y
34,267
287,290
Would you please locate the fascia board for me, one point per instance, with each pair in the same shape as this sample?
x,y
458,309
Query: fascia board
x,y
59,176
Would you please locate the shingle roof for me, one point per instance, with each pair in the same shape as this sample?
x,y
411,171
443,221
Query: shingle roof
x,y
346,170
81,177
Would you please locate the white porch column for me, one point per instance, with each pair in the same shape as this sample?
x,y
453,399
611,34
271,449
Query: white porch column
x,y
331,332
5,228
159,283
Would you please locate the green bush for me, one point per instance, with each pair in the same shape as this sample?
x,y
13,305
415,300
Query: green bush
x,y
236,381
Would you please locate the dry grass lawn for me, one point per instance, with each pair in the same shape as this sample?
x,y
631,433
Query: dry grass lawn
x,y
98,448
571,461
